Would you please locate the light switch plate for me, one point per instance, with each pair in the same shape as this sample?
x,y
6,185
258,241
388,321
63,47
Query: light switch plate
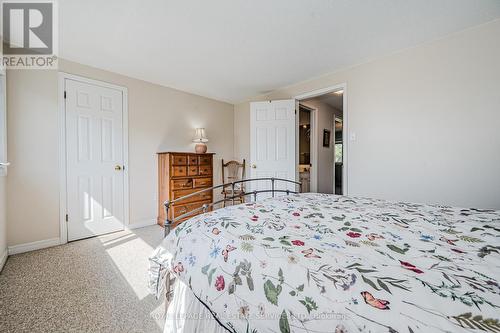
x,y
352,136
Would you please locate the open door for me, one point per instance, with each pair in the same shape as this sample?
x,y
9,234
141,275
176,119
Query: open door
x,y
272,143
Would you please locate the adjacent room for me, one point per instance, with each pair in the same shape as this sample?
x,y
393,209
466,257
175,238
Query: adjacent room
x,y
250,166
320,142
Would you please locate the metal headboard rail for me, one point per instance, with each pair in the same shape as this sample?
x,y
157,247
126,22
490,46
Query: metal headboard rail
x,y
169,203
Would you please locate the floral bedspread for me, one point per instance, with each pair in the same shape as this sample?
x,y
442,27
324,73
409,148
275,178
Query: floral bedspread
x,y
326,263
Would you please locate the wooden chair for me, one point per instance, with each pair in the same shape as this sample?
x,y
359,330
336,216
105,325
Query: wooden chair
x,y
233,171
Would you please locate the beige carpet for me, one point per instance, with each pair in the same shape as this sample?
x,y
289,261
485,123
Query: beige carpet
x,y
92,285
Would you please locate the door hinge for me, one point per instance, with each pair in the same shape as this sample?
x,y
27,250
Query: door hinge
x,y
64,94
67,218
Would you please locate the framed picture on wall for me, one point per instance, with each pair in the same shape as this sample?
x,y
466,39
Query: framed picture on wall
x,y
326,138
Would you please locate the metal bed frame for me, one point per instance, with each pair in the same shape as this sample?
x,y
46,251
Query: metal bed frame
x,y
169,203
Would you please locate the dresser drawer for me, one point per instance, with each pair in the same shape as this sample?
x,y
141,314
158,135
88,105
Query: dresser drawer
x,y
183,209
205,160
202,182
192,170
205,170
192,159
179,171
199,197
179,160
180,184
179,210
195,205
204,196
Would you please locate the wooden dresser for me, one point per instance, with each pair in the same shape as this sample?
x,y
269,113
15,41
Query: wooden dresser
x,y
180,174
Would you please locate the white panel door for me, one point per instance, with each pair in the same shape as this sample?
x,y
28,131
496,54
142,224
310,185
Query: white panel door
x,y
94,152
272,143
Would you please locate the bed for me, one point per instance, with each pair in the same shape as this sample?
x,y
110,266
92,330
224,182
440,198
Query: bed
x,y
327,263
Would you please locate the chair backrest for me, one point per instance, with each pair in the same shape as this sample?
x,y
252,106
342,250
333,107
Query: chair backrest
x,y
233,171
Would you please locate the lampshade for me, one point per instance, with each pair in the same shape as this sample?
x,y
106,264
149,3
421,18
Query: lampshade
x,y
200,135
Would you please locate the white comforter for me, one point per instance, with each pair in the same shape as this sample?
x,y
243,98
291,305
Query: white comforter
x,y
325,263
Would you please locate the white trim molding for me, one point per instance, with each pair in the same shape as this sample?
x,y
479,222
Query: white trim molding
x,y
141,224
3,258
26,247
63,228
313,177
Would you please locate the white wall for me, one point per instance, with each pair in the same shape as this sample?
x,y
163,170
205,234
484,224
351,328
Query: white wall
x,y
242,132
3,223
3,158
160,119
427,121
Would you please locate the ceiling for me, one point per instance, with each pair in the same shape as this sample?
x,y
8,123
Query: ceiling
x,y
232,50
334,99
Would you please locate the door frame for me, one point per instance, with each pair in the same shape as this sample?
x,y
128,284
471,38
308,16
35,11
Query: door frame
x,y
63,198
335,120
345,116
3,123
313,145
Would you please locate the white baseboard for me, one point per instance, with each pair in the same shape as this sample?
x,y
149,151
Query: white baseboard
x,y
21,248
141,224
3,258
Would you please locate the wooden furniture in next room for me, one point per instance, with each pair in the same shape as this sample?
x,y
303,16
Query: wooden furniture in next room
x,y
180,174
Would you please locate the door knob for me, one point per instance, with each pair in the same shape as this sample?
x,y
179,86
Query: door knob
x,y
118,167
254,166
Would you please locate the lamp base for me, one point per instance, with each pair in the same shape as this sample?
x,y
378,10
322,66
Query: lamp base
x,y
200,148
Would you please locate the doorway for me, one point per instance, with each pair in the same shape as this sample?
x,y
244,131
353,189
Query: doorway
x,y
94,189
327,168
275,135
339,154
305,147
